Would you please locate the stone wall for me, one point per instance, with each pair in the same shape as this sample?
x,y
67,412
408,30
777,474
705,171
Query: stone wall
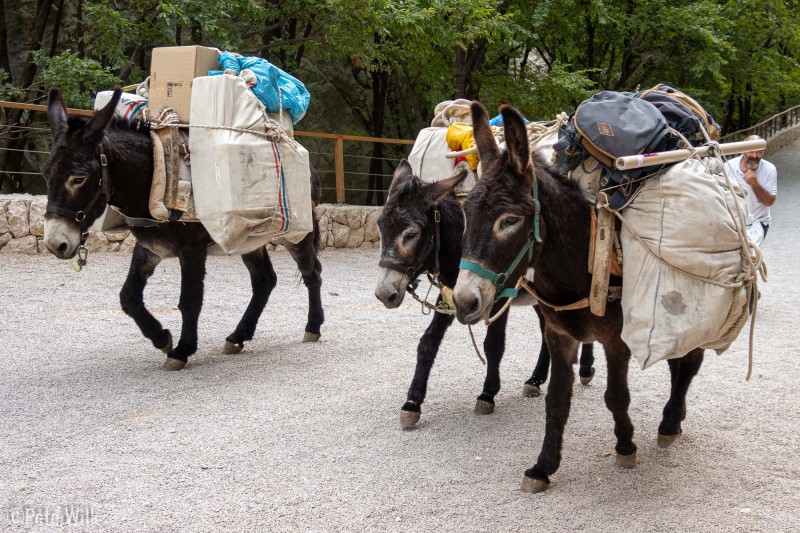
x,y
22,227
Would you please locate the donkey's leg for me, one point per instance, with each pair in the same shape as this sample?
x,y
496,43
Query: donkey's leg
x,y
427,349
304,254
193,272
563,354
586,370
618,399
131,297
494,344
532,387
263,280
682,371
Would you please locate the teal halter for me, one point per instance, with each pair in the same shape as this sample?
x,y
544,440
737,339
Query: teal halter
x,y
500,280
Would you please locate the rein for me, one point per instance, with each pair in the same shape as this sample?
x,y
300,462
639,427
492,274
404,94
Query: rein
x,y
500,280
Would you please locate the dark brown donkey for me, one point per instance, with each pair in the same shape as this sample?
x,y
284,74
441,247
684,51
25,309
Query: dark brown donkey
x,y
421,227
516,201
78,189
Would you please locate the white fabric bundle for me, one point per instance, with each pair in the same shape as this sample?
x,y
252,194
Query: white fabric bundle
x,y
689,218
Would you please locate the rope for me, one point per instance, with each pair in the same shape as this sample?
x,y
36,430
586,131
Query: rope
x,y
475,345
272,130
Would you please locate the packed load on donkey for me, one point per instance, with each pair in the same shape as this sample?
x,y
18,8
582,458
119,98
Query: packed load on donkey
x,y
675,223
224,151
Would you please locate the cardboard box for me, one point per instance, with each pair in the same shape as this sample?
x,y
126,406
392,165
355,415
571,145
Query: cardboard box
x,y
172,70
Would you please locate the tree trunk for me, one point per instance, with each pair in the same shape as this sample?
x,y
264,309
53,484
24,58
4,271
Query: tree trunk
x,y
18,137
468,63
380,82
5,63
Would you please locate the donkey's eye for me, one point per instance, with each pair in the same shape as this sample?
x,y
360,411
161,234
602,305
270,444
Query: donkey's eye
x,y
410,236
508,222
77,181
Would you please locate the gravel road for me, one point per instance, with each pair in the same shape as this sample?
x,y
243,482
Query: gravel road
x,y
292,436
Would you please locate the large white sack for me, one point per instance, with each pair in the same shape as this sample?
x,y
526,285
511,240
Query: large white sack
x,y
247,190
683,216
129,106
427,157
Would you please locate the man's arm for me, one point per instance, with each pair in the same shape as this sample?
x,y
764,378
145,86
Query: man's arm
x,y
764,196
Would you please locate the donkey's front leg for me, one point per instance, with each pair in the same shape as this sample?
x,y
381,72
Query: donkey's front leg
x,y
131,297
494,345
427,349
193,272
563,353
533,387
304,254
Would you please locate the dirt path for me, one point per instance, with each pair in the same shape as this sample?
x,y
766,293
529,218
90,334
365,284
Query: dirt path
x,y
291,436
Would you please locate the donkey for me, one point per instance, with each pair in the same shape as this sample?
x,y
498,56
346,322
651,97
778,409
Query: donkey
x,y
522,214
105,161
421,227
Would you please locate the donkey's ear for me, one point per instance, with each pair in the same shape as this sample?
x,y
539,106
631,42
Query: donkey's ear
x,y
57,114
519,152
484,138
435,192
93,131
402,175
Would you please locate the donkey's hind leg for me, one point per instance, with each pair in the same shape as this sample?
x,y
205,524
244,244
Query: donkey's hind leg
x,y
682,371
618,400
494,345
304,254
263,280
586,370
131,297
533,387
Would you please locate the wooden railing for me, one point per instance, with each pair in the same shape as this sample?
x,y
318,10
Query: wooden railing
x,y
769,127
338,141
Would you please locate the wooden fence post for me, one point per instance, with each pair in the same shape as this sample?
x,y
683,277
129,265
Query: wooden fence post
x,y
338,155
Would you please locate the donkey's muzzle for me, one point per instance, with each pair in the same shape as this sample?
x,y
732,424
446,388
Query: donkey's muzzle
x,y
61,237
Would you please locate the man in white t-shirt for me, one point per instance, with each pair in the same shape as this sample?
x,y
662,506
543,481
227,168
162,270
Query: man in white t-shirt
x,y
760,179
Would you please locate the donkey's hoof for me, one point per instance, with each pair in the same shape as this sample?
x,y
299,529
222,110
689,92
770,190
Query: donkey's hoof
x,y
531,391
626,461
483,407
167,347
586,380
534,486
665,441
409,419
231,348
173,364
310,337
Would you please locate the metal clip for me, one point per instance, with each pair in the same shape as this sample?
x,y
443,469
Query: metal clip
x,y
83,254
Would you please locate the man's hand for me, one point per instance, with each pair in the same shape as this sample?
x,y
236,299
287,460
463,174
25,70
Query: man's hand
x,y
750,178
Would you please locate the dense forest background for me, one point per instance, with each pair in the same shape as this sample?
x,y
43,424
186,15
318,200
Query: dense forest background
x,y
378,67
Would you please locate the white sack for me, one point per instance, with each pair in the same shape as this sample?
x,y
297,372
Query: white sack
x,y
129,106
247,190
683,216
427,158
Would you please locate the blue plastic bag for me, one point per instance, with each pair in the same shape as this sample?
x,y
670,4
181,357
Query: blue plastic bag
x,y
293,94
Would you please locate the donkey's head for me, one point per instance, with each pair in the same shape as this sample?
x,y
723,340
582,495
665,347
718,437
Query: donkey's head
x,y
500,212
75,195
408,231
